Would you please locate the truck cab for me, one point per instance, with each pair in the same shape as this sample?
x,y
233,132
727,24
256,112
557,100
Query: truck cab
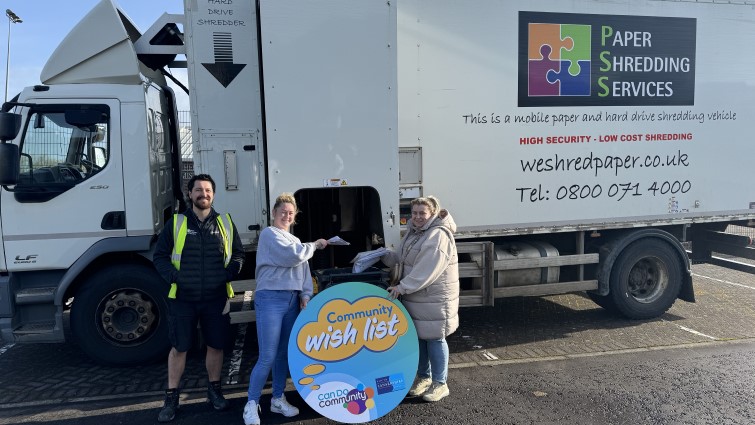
x,y
90,177
90,160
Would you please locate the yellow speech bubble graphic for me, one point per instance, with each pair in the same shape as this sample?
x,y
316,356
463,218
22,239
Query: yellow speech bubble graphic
x,y
314,369
343,328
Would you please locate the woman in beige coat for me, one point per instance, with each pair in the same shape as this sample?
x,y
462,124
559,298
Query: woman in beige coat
x,y
428,268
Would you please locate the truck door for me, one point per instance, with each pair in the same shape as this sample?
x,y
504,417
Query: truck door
x,y
224,77
69,193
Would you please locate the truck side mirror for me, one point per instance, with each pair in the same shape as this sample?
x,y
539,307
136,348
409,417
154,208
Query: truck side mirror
x,y
9,163
10,124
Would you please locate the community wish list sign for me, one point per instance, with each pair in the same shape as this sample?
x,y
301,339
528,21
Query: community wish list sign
x,y
353,352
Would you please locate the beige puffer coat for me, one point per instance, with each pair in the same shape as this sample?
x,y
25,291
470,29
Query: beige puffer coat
x,y
430,276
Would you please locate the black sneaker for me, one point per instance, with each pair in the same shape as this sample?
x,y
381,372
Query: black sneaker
x,y
170,408
215,396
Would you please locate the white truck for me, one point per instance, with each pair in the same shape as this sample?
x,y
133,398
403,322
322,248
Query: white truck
x,y
577,144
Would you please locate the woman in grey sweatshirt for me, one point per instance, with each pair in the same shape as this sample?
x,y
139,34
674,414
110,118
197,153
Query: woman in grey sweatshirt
x,y
284,286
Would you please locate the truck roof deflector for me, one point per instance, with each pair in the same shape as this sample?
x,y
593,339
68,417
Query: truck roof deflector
x,y
99,49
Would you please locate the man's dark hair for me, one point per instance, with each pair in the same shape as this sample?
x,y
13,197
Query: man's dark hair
x,y
204,177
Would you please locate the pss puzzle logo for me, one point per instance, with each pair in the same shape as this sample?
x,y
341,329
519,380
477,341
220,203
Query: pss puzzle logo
x,y
568,59
559,60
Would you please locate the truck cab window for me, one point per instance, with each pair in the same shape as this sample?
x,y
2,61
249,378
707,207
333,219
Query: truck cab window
x,y
61,147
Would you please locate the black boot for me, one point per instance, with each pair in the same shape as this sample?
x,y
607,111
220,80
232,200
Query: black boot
x,y
170,408
215,396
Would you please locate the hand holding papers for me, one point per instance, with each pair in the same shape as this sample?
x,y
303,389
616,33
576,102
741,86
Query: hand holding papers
x,y
336,240
365,259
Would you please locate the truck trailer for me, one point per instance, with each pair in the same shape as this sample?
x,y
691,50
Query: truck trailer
x,y
583,146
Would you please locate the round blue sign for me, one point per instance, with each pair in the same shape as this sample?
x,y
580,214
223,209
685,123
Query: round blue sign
x,y
353,353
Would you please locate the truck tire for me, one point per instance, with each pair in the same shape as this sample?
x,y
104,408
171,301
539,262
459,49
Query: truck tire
x,y
646,279
604,301
119,316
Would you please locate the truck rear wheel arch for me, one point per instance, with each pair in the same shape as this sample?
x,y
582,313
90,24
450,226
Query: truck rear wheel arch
x,y
648,253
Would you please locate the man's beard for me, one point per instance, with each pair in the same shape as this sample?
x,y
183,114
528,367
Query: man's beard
x,y
195,204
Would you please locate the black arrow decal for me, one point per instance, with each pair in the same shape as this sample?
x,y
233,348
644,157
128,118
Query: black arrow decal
x,y
224,70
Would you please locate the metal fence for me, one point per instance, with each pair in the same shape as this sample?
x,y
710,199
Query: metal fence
x,y
184,134
185,142
742,230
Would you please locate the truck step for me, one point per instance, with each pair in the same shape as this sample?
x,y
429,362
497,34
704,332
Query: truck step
x,y
38,332
35,295
242,316
34,328
244,285
241,286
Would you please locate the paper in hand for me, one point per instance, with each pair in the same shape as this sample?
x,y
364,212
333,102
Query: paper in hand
x,y
336,240
365,259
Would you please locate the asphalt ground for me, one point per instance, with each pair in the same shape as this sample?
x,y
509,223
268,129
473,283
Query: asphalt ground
x,y
706,384
515,330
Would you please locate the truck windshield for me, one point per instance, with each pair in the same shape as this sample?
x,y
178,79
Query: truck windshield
x,y
57,155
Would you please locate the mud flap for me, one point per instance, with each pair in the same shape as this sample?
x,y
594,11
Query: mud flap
x,y
687,292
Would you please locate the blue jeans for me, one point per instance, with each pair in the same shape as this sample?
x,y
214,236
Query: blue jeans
x,y
276,313
433,358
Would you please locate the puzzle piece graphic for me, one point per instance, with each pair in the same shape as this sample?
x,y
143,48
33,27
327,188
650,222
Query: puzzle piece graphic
x,y
580,48
571,85
550,35
559,60
539,69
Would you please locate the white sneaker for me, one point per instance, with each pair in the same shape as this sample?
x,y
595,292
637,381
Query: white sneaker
x,y
436,392
282,406
252,413
420,386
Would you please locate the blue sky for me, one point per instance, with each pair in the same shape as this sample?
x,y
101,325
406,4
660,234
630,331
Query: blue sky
x,y
46,23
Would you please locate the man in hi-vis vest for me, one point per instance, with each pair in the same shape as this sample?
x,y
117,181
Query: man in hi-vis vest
x,y
198,254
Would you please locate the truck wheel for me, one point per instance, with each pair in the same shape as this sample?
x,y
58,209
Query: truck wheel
x,y
119,316
645,279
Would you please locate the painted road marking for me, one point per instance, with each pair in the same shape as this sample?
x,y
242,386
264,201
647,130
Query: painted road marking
x,y
692,331
487,355
715,280
723,281
5,348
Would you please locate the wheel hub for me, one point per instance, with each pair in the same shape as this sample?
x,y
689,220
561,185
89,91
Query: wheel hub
x,y
127,316
648,280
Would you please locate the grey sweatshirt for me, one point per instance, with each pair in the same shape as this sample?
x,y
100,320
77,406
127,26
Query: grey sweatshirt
x,y
282,262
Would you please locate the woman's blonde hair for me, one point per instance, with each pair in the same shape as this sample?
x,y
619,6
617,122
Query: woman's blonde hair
x,y
429,201
286,198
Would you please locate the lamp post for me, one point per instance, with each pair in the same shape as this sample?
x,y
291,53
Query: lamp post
x,y
12,19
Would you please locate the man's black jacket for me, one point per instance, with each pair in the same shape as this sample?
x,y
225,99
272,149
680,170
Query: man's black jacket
x,y
203,275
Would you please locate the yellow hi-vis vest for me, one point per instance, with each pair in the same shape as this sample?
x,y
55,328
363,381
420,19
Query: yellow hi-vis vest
x,y
180,229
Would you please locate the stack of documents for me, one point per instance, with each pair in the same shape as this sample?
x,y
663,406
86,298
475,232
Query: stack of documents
x,y
365,259
336,240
